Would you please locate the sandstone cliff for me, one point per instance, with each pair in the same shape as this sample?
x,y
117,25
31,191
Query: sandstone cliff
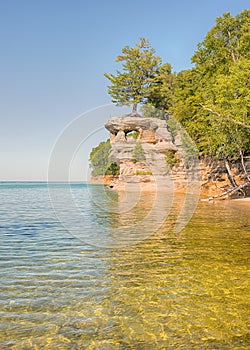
x,y
161,162
150,157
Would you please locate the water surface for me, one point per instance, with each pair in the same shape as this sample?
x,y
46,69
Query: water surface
x,y
187,290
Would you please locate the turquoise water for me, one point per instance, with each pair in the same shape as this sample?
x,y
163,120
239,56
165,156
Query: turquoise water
x,y
65,285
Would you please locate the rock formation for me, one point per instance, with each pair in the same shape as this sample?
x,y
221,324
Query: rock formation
x,y
150,157
154,139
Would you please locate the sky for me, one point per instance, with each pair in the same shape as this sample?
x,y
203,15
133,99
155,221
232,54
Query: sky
x,y
53,57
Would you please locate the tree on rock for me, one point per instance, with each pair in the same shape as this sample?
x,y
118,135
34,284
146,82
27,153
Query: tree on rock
x,y
140,70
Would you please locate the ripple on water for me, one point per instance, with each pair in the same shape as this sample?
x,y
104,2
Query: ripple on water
x,y
186,291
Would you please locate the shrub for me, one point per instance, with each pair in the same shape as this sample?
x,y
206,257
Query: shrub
x,y
141,172
171,158
99,159
138,154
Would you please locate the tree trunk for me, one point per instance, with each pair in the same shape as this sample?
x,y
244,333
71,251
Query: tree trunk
x,y
231,178
230,175
229,192
134,111
243,166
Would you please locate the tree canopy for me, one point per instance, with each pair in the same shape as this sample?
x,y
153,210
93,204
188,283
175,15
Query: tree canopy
x,y
100,163
139,76
212,99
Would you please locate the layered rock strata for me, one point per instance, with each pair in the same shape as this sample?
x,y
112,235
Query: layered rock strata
x,y
154,138
164,163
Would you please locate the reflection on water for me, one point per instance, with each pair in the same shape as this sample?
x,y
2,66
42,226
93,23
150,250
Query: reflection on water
x,y
168,291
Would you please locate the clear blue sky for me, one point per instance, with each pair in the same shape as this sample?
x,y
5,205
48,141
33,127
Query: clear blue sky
x,y
54,54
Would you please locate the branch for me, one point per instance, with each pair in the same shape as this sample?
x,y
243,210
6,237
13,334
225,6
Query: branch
x,y
244,166
225,116
230,191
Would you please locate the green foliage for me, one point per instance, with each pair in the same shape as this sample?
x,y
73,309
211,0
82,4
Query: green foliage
x,y
141,172
162,92
171,158
226,42
112,169
149,111
100,163
189,149
133,134
140,69
212,100
138,154
173,125
99,154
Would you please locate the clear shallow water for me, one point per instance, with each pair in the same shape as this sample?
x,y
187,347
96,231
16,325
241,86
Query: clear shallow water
x,y
166,291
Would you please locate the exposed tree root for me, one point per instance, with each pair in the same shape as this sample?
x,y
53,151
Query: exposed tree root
x,y
229,192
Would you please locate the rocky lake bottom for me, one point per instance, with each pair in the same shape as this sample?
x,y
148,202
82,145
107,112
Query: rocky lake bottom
x,y
121,276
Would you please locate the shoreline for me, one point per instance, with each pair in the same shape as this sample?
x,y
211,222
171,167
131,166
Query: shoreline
x,y
241,201
152,188
161,186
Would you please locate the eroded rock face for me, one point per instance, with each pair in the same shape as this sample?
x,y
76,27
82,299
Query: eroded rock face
x,y
154,138
155,170
129,123
151,130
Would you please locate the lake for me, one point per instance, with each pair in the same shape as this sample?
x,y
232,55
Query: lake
x,y
86,268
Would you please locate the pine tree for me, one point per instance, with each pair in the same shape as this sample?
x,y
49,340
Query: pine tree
x,y
140,69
